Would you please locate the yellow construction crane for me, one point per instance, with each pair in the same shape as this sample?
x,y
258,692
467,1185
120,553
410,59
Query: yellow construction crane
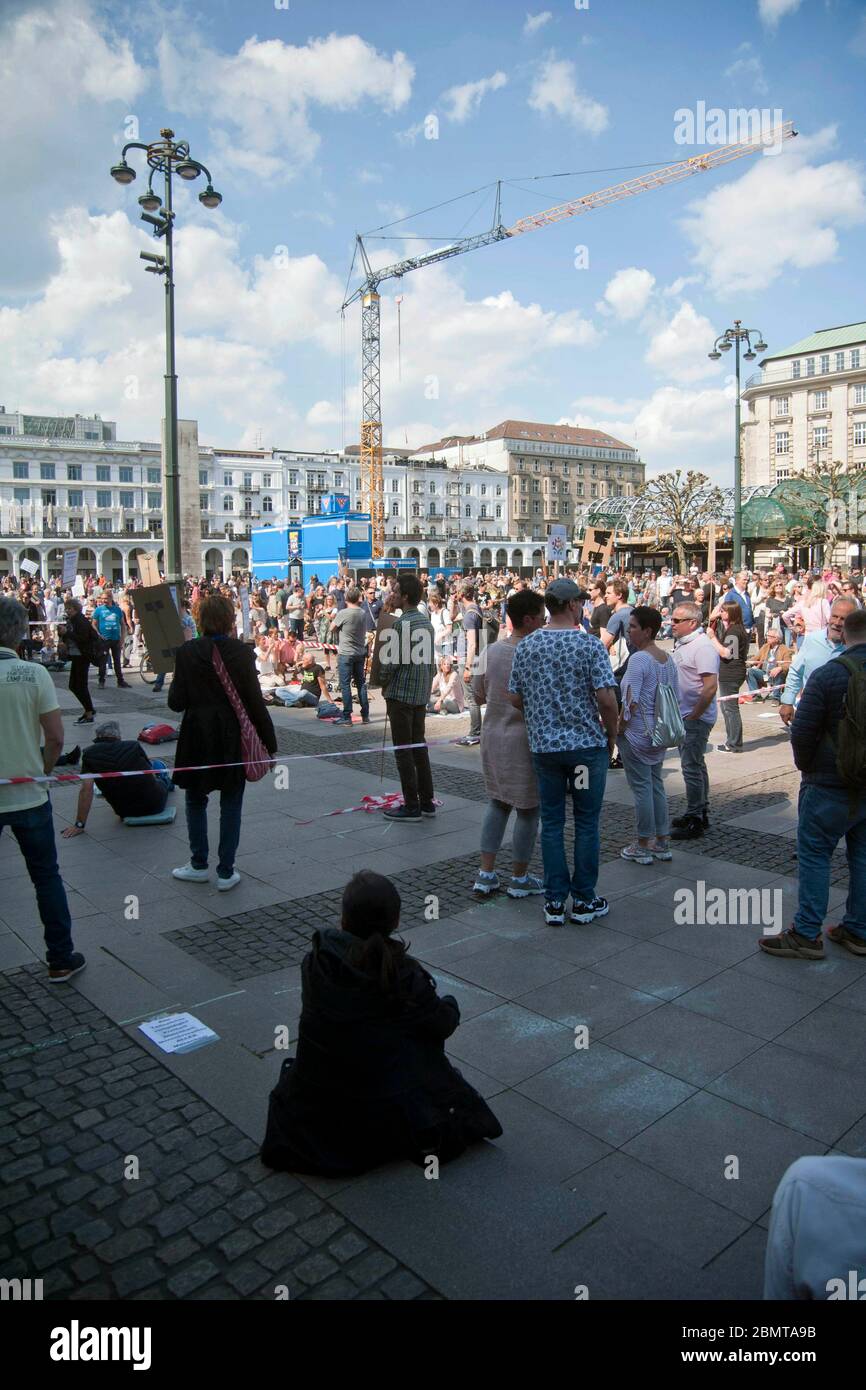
x,y
372,487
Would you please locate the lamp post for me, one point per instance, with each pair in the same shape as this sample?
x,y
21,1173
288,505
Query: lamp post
x,y
731,338
167,156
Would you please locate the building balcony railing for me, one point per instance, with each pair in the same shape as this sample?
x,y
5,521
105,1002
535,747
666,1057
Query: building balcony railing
x,y
774,376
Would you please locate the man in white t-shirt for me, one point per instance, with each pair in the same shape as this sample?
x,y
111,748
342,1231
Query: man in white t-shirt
x,y
697,663
665,584
29,710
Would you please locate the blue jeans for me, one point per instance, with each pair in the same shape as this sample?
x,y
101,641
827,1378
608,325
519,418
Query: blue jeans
x,y
34,831
823,818
694,767
556,777
648,789
231,805
295,699
164,777
756,679
351,668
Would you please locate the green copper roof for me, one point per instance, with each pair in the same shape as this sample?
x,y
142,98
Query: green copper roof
x,y
824,340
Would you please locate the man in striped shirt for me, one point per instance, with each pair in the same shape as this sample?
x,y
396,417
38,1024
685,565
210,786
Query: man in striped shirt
x,y
407,665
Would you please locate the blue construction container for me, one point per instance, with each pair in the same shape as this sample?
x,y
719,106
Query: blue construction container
x,y
328,544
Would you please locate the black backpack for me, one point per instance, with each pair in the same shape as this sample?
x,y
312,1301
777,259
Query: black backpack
x,y
850,735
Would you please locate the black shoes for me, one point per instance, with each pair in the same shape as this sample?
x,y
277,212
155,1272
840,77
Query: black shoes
x,y
692,829
59,974
86,718
680,821
70,759
616,764
403,813
428,808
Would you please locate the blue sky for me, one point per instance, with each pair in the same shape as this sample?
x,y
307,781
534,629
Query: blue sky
x,y
312,120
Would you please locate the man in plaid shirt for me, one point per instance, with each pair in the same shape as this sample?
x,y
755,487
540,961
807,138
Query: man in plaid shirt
x,y
407,665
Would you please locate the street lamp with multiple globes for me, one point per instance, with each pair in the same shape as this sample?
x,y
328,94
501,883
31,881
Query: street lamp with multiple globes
x,y
166,156
731,338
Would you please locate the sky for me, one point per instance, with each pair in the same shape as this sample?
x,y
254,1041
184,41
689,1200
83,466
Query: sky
x,y
320,119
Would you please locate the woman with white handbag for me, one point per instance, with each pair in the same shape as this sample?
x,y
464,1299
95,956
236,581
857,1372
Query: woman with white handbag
x,y
650,723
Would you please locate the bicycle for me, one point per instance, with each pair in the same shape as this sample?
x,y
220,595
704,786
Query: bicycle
x,y
145,670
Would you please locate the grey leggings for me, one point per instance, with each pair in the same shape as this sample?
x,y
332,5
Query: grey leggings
x,y
525,830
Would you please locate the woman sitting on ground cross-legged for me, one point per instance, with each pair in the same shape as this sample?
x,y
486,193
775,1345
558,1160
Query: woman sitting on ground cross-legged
x,y
371,1082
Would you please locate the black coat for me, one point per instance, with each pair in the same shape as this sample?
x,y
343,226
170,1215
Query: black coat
x,y
817,720
371,1082
209,731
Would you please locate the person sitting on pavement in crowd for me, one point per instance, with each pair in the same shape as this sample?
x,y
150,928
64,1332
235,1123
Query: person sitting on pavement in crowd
x,y
446,695
127,796
371,1082
312,680
828,740
770,667
697,663
649,666
29,713
506,761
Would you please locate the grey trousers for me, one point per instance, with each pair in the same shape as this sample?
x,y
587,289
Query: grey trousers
x,y
694,766
648,789
523,837
473,707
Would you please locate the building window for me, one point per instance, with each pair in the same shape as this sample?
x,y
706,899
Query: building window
x,y
103,499
154,476
202,504
338,480
202,477
468,510
293,501
395,484
483,511
127,499
483,489
321,480
267,504
810,366
293,478
580,489
266,480
20,470
782,442
103,525
819,438
75,497
860,433
124,474
781,404
416,509
22,494
103,473
154,501
395,508
860,395
498,489
46,472
498,512
536,508
855,359
432,487
840,361
819,400
73,472
825,363
795,370
228,480
248,480
49,497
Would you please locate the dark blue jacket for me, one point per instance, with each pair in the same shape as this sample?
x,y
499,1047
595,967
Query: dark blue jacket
x,y
818,715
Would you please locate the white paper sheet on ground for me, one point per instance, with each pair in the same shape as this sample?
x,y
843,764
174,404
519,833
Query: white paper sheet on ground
x,y
178,1032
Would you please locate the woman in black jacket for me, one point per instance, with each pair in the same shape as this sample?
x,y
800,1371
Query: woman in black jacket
x,y
210,733
80,641
371,1082
731,641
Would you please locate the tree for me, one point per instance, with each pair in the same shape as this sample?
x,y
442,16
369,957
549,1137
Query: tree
x,y
680,506
832,502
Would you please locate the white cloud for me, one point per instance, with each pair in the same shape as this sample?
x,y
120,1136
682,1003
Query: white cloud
x,y
783,212
267,90
555,91
680,347
771,11
747,69
676,287
627,293
465,100
323,413
534,22
673,428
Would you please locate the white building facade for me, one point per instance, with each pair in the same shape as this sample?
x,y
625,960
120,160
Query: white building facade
x,y
806,406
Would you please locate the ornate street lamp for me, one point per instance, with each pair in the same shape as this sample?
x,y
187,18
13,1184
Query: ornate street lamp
x,y
167,156
731,338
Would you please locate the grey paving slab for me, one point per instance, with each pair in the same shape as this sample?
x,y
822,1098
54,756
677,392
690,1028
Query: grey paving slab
x,y
853,996
580,943
119,991
777,820
854,1141
589,998
486,1086
471,1000
14,951
817,1098
685,1044
547,1145
510,1043
603,1091
433,936
726,945
508,968
819,979
696,1142
738,1271
831,1032
745,1002
657,969
442,1228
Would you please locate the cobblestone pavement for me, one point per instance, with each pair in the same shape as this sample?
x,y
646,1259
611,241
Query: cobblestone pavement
x,y
204,1219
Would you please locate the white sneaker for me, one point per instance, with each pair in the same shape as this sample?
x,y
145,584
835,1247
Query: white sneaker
x,y
224,884
190,875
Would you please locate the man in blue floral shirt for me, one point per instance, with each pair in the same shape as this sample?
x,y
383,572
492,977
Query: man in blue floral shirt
x,y
563,682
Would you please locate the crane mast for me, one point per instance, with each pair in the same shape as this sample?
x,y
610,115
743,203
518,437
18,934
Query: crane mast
x,y
372,483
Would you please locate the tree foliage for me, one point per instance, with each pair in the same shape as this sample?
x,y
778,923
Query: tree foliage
x,y
681,505
832,499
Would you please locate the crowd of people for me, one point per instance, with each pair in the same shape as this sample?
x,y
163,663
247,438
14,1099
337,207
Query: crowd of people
x,y
565,679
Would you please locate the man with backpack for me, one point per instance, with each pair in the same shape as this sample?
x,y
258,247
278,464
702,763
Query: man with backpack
x,y
828,738
470,643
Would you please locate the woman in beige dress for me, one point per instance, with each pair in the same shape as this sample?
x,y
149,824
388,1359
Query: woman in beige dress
x,y
506,761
